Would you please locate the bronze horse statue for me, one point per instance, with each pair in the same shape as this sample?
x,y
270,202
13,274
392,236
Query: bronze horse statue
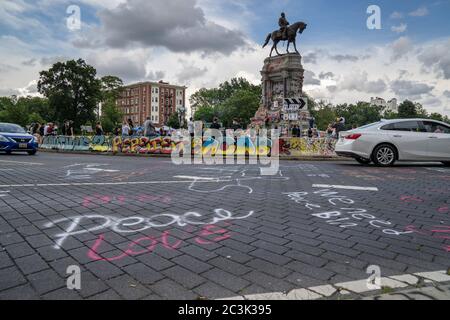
x,y
291,32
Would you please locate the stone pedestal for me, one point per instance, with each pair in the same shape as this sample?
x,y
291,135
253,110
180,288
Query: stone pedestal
x,y
282,78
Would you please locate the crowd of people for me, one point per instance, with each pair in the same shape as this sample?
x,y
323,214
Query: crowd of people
x,y
149,129
332,131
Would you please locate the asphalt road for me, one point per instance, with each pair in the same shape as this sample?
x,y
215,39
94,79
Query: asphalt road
x,y
144,228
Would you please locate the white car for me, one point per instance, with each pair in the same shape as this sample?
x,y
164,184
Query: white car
x,y
388,141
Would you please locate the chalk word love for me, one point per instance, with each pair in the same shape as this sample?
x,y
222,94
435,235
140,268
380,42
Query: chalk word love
x,y
437,232
137,223
208,235
343,217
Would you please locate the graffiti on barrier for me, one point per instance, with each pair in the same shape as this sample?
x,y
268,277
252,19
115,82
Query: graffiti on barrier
x,y
78,224
307,146
206,146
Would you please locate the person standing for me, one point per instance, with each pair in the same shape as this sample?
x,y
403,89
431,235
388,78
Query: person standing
x,y
330,130
98,129
215,124
338,126
191,129
149,128
125,129
131,127
296,132
67,128
312,122
236,126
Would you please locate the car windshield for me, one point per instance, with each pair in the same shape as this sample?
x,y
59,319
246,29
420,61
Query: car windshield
x,y
11,128
369,125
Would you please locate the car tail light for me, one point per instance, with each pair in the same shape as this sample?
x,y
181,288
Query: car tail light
x,y
353,136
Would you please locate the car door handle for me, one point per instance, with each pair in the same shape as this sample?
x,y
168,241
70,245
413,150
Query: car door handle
x,y
397,136
432,137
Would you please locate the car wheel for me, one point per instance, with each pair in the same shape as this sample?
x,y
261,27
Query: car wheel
x,y
363,161
446,163
384,155
32,153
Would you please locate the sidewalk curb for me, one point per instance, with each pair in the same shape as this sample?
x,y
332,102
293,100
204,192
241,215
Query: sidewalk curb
x,y
112,154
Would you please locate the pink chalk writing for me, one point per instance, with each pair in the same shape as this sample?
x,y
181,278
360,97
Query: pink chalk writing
x,y
444,209
411,199
437,232
209,234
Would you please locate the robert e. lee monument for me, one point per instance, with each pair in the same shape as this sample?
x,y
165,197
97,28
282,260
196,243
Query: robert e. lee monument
x,y
283,104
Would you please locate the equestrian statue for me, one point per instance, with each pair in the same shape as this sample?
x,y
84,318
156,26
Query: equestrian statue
x,y
285,33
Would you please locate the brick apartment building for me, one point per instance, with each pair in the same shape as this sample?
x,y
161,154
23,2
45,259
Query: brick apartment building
x,y
157,100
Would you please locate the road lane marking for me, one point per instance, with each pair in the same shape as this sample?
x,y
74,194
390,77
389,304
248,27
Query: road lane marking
x,y
3,193
331,186
196,178
28,163
105,183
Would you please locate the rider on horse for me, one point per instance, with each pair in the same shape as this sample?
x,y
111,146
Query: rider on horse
x,y
283,23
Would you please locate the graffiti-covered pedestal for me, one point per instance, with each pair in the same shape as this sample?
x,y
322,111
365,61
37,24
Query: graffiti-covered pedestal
x,y
282,78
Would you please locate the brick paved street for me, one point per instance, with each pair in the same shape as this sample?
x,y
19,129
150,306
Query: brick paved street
x,y
143,228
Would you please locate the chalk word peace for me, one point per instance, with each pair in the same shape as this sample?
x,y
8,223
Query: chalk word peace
x,y
137,223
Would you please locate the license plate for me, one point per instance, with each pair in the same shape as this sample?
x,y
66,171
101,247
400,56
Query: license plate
x,y
23,146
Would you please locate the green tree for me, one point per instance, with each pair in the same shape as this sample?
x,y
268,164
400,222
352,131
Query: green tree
x,y
111,87
324,114
437,116
72,89
23,110
205,114
111,116
237,98
174,121
242,105
358,114
420,111
407,109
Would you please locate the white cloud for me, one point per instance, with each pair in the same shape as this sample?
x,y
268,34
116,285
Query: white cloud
x,y
410,89
420,12
179,26
401,47
359,81
436,57
400,28
396,15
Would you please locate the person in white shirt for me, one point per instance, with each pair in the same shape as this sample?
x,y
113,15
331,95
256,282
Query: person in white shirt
x,y
191,127
125,129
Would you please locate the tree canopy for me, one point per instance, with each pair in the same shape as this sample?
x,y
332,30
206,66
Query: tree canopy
x,y
72,89
237,98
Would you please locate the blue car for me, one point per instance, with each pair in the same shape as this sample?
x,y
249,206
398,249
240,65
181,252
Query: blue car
x,y
15,138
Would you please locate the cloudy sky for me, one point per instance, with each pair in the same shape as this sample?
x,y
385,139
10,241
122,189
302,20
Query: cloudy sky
x,y
201,43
